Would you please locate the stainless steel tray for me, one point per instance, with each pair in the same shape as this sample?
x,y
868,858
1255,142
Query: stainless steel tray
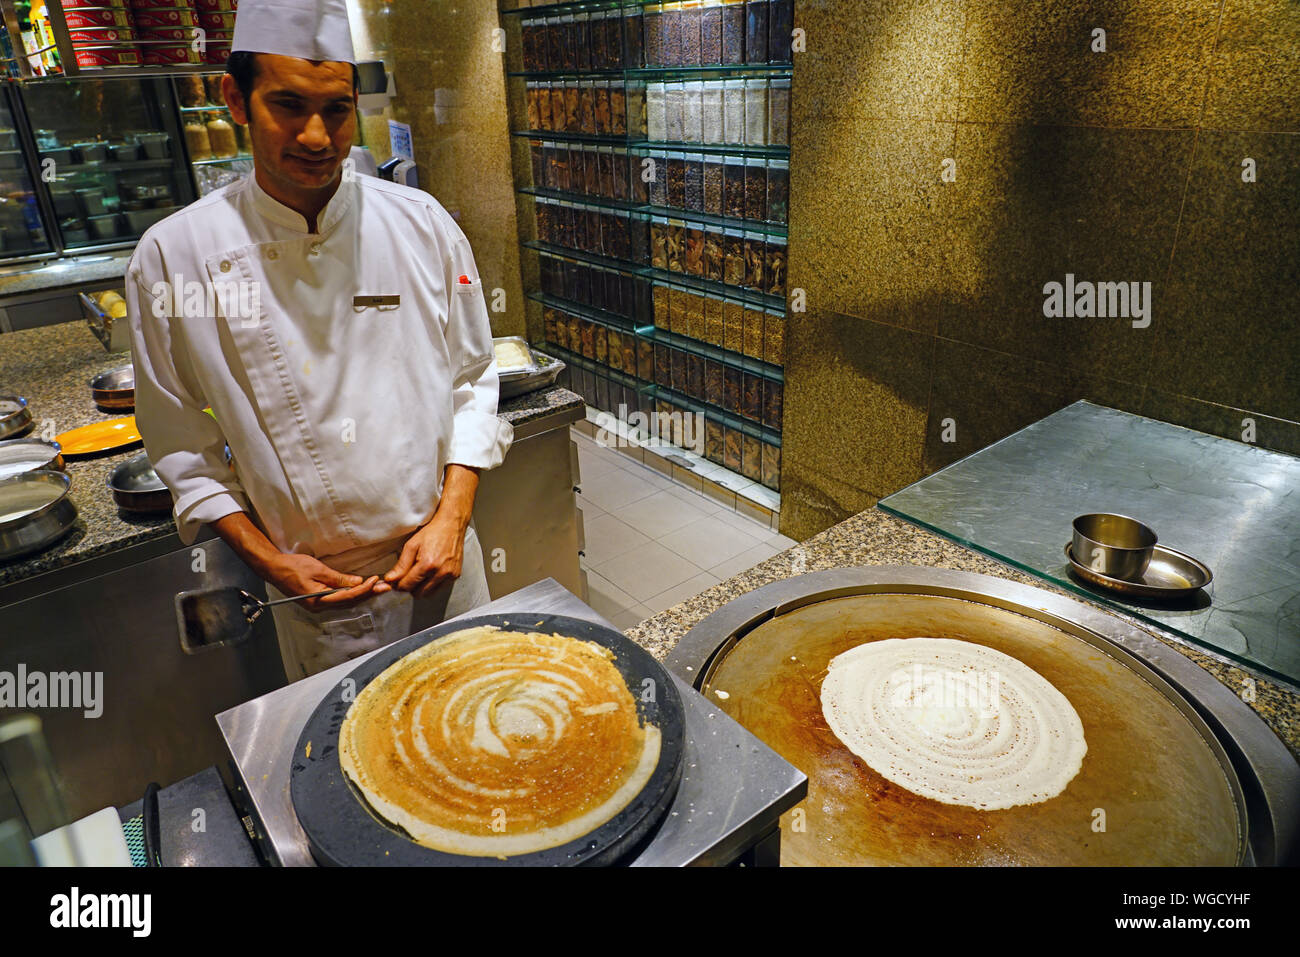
x,y
542,375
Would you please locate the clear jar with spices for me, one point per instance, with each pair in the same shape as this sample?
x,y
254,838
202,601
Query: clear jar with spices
x,y
674,112
778,192
197,142
755,190
711,111
774,338
733,32
693,112
778,112
756,21
656,105
756,110
733,111
711,34
774,267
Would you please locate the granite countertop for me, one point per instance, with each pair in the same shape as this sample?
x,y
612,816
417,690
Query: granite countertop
x,y
876,538
108,268
52,367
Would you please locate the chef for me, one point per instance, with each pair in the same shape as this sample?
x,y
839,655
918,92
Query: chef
x,y
336,328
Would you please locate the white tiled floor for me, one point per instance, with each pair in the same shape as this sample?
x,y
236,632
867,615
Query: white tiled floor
x,y
652,543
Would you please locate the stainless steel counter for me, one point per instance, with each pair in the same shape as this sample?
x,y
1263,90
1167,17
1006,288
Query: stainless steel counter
x,y
733,790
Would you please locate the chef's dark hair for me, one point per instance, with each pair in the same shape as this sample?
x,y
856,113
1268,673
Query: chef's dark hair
x,y
242,65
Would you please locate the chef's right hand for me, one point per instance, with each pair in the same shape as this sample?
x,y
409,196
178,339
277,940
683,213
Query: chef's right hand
x,y
297,574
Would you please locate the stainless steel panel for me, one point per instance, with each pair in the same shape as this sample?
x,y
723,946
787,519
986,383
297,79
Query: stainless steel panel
x,y
157,703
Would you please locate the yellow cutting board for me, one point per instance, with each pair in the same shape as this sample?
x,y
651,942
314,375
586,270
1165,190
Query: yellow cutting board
x,y
100,436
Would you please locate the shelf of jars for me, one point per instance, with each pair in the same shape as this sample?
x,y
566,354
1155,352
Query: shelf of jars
x,y
689,338
739,444
658,142
743,386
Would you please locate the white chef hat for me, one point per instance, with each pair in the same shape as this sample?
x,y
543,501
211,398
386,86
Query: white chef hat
x,y
308,29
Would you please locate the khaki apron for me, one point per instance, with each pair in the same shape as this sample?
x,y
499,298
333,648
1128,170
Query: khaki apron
x,y
311,642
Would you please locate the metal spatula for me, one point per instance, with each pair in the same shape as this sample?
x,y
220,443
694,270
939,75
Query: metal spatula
x,y
219,617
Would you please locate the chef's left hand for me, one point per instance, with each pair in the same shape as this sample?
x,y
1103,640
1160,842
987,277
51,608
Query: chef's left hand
x,y
430,558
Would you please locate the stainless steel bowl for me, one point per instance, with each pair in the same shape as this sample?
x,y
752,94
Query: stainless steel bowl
x,y
114,389
1113,545
35,512
136,487
28,455
15,417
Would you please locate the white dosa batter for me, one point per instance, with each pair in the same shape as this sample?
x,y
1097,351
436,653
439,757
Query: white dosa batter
x,y
954,721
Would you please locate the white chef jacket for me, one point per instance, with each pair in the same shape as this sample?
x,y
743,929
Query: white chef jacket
x,y
340,416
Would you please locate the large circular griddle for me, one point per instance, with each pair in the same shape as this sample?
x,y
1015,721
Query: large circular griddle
x,y
342,829
1168,788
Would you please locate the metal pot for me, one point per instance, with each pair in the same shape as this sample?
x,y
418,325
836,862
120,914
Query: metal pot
x,y
137,488
15,417
114,389
35,511
18,456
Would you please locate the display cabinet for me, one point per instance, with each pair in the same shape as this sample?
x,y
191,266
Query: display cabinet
x,y
657,182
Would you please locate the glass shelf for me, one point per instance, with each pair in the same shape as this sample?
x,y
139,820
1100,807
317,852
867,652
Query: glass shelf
x,y
765,71
204,109
728,419
218,160
583,6
666,212
641,146
651,333
640,386
723,290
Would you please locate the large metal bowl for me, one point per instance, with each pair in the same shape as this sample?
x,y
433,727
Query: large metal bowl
x,y
136,487
35,512
28,455
15,417
114,389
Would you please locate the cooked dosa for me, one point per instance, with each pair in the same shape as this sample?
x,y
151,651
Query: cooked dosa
x,y
498,743
954,721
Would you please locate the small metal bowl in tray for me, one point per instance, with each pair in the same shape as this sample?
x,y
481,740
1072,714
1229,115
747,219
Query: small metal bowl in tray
x,y
114,389
137,488
519,380
29,455
35,512
15,417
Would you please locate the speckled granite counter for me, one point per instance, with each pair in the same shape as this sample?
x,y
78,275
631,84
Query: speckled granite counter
x,y
71,273
52,367
875,538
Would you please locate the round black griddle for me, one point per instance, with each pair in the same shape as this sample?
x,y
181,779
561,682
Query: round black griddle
x,y
342,830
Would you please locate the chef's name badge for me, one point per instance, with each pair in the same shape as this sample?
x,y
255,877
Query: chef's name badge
x,y
376,302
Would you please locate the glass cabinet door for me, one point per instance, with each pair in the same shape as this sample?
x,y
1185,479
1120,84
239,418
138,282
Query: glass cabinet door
x,y
109,155
22,232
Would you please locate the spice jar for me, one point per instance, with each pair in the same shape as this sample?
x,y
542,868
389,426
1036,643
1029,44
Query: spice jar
x,y
674,119
733,257
771,469
713,440
774,268
693,112
756,18
619,117
778,112
733,326
711,112
713,320
733,111
755,262
634,40
778,191
752,465
753,345
711,35
773,396
599,333
694,251
677,311
694,315
751,397
774,339
587,108
733,32
189,88
656,119
756,109
196,138
713,378
732,384
671,28
755,191
645,360
677,181
713,264
678,358
731,449
733,194
713,178
653,36
694,182
676,246
694,376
